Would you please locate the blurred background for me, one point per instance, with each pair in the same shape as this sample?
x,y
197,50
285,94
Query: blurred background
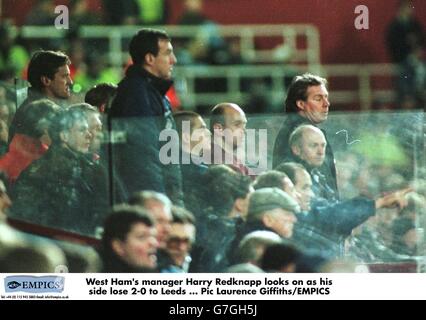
x,y
244,51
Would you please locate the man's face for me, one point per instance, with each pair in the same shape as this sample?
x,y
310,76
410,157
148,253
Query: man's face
x,y
235,122
140,247
315,108
60,86
78,137
180,241
312,148
95,129
162,219
200,136
163,63
290,189
281,221
5,201
304,187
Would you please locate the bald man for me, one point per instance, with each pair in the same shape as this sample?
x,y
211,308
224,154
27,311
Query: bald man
x,y
228,126
308,147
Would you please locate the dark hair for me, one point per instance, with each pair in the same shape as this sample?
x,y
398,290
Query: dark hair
x,y
45,63
120,221
270,179
181,215
101,95
290,169
182,116
64,120
221,187
298,90
144,42
36,117
277,256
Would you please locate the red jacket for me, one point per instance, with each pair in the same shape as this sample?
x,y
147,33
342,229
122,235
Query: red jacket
x,y
23,150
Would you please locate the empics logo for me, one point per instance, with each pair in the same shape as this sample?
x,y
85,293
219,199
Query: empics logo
x,y
32,284
13,285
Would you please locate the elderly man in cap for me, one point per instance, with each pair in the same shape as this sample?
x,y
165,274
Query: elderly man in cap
x,y
270,209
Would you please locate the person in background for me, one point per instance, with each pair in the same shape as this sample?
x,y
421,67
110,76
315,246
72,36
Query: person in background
x,y
180,241
31,139
129,241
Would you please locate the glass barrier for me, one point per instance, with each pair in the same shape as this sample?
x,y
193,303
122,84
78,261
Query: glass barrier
x,y
347,209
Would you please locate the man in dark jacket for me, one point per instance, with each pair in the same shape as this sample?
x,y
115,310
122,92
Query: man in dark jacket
x,y
140,112
306,103
63,189
195,144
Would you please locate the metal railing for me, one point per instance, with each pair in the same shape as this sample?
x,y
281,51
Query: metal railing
x,y
364,94
248,35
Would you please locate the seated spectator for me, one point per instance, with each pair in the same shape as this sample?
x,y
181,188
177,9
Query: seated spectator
x,y
180,241
223,202
308,146
280,258
194,141
273,210
31,139
101,96
253,245
63,189
128,241
95,127
159,207
228,126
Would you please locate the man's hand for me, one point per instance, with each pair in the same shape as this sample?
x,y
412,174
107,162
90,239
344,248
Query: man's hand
x,y
394,199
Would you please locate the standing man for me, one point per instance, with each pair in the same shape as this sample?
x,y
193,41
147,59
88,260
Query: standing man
x,y
140,112
306,103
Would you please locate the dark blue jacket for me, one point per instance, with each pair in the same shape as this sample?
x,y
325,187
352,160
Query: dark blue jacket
x,y
62,190
139,113
326,226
